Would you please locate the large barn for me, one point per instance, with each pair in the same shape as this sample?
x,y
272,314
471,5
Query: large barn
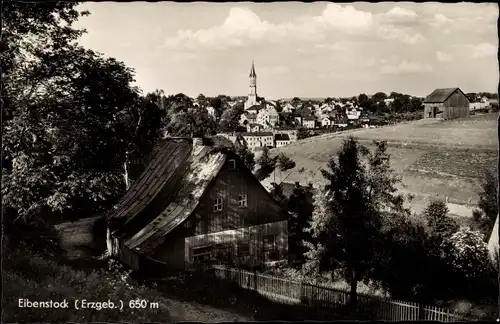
x,y
446,103
196,205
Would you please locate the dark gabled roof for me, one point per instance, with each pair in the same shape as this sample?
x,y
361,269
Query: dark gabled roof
x,y
309,118
441,95
282,137
167,192
257,134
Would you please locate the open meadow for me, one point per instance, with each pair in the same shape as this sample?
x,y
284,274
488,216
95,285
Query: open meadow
x,y
436,159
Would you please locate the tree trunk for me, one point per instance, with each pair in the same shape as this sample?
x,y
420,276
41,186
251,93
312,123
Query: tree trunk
x,y
125,176
353,300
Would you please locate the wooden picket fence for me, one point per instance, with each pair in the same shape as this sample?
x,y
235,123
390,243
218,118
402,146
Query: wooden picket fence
x,y
294,292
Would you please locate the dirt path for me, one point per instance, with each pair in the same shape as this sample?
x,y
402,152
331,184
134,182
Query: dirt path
x,y
192,311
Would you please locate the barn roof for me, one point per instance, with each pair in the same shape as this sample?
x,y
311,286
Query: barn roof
x,y
167,192
440,95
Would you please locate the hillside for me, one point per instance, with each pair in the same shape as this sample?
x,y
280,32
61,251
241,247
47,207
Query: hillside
x,y
436,159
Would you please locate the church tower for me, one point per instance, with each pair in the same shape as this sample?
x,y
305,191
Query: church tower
x,y
252,94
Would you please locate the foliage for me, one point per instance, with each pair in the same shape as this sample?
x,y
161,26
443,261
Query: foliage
x,y
302,133
246,156
230,119
284,162
439,224
265,161
72,118
300,206
359,204
277,193
220,142
488,203
191,122
468,253
29,275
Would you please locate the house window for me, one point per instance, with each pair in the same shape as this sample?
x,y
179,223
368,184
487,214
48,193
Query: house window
x,y
201,254
270,248
218,204
242,200
232,164
243,249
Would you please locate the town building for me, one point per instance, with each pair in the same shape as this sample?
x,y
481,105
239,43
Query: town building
x,y
252,93
254,128
282,140
195,206
255,141
446,103
309,122
268,117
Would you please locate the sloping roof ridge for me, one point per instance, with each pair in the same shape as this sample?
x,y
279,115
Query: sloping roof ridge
x,y
161,222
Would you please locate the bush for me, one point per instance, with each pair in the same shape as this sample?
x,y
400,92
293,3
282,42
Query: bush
x,y
468,253
27,275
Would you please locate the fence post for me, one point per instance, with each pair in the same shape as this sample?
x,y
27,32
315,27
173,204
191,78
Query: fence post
x,y
421,312
255,286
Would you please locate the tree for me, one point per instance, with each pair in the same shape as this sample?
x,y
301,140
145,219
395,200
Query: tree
x,y
379,96
382,108
300,206
469,253
362,99
246,156
488,203
78,117
230,119
296,102
284,162
302,133
416,104
361,200
192,123
439,224
277,193
265,161
177,103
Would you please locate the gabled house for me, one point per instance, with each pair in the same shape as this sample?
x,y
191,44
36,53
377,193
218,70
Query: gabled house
x,y
268,117
196,205
258,140
282,140
309,122
248,118
446,103
254,128
327,121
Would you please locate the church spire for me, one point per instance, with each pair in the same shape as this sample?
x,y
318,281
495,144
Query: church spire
x,y
252,71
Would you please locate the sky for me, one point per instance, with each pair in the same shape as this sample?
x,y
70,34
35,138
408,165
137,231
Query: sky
x,y
315,49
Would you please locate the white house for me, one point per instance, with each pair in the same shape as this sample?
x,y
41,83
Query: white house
x,y
258,140
268,117
282,140
327,121
309,122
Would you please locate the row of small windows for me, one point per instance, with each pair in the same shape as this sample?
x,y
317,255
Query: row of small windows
x,y
219,202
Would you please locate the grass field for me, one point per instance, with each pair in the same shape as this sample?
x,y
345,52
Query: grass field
x,y
436,159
